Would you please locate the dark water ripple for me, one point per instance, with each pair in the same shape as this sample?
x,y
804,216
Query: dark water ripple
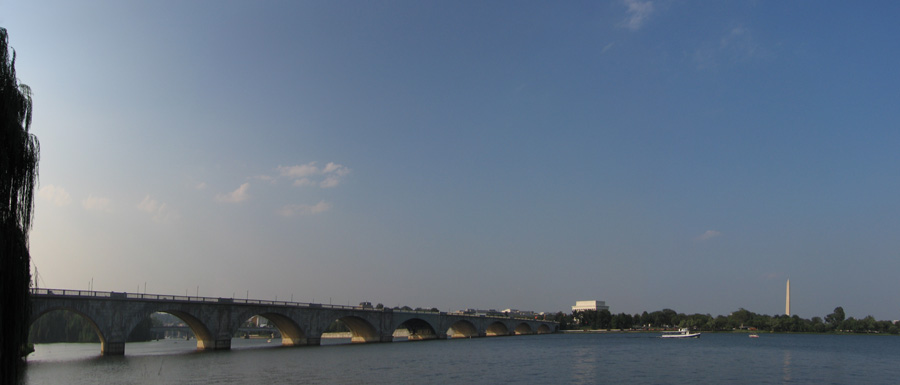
x,y
549,359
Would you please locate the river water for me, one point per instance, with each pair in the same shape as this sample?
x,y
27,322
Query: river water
x,y
626,358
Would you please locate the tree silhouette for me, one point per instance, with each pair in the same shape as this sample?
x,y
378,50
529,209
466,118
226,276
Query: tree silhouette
x,y
19,153
836,318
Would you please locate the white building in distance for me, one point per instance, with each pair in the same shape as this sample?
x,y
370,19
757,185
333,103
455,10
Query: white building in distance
x,y
589,305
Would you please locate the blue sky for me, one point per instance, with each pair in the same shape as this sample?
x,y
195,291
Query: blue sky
x,y
652,154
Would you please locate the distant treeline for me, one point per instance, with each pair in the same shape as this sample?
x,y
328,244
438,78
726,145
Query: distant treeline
x,y
740,319
66,326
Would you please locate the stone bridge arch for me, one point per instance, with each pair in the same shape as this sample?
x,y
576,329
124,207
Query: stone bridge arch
x,y
364,325
462,329
523,328
544,329
420,326
497,328
38,311
105,318
361,330
292,333
205,337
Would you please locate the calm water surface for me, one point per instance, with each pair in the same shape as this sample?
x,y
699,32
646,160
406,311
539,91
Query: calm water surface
x,y
544,359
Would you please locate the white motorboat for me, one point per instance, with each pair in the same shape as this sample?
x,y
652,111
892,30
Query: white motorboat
x,y
681,333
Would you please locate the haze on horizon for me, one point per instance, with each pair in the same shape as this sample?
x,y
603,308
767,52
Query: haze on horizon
x,y
651,154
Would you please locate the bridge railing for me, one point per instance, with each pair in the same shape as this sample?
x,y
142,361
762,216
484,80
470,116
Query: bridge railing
x,y
181,298
66,292
163,297
186,298
289,303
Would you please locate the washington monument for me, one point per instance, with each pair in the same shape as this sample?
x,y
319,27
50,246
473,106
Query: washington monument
x,y
787,299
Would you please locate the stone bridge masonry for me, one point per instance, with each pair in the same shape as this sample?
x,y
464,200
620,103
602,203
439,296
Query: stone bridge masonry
x,y
214,321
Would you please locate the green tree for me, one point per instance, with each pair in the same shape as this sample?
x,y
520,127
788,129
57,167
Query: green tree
x,y
566,321
869,324
742,317
19,151
836,318
646,319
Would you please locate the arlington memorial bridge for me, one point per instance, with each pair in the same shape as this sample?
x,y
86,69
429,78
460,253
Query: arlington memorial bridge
x,y
214,321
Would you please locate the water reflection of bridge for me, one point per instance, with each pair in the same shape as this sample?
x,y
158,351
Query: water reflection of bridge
x,y
214,321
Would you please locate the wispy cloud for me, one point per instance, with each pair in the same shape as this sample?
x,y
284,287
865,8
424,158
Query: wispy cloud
x,y
56,195
734,46
92,203
335,169
637,13
709,234
235,196
265,178
200,186
160,212
607,48
300,210
303,182
299,171
330,181
311,174
770,276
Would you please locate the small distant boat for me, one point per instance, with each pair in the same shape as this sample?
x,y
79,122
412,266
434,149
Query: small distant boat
x,y
681,333
754,335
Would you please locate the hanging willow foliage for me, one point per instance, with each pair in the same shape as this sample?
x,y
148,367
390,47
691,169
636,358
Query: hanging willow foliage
x,y
19,153
20,149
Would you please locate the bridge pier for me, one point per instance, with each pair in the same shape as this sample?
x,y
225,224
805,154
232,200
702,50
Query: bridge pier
x,y
108,348
314,341
222,344
214,344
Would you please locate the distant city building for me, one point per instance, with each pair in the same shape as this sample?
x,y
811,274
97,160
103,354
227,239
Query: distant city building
x,y
479,312
518,313
589,305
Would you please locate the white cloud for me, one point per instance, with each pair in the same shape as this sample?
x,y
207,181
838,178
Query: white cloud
x,y
607,48
737,45
637,13
93,203
265,178
160,212
57,195
709,234
330,182
336,169
298,210
299,171
312,175
235,196
200,186
303,182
